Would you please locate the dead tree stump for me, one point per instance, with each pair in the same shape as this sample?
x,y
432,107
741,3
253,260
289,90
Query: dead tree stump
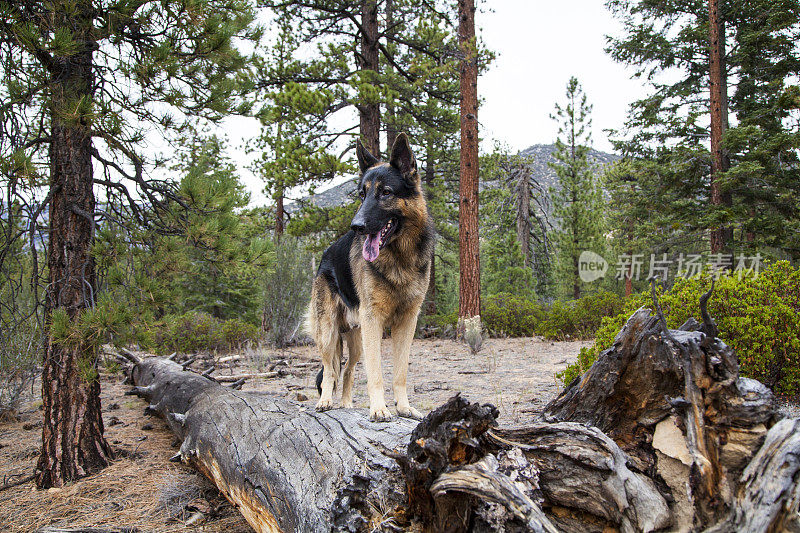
x,y
674,402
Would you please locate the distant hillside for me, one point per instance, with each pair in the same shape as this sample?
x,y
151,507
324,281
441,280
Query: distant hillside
x,y
333,197
538,154
542,154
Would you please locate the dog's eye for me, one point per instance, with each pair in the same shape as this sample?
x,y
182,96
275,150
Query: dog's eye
x,y
386,191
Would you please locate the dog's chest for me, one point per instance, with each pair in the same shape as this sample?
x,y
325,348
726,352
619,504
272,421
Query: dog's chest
x,y
393,291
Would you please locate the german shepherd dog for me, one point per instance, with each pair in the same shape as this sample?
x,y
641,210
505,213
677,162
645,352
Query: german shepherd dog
x,y
374,277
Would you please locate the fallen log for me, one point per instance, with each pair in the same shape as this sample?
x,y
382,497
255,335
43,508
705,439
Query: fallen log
x,y
657,435
582,468
287,468
284,467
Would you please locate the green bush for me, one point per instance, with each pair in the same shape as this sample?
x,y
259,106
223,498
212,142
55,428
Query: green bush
x,y
756,316
235,334
440,320
196,332
517,316
579,318
509,314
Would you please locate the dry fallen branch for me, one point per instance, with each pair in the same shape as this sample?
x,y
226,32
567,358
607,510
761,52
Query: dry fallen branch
x,y
237,377
18,482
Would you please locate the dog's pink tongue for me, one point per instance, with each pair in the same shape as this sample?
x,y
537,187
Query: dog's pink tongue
x,y
372,247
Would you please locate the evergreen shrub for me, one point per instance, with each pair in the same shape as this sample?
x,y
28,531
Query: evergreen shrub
x,y
758,317
196,332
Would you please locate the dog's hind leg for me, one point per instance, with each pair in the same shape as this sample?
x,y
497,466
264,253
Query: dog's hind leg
x,y
331,351
354,348
402,335
371,332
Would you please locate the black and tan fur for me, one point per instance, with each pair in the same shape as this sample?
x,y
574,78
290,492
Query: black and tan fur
x,y
353,300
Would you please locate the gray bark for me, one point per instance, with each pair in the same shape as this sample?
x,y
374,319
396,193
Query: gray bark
x,y
284,467
769,495
674,402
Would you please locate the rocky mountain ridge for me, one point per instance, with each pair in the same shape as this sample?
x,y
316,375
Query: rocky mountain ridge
x,y
538,156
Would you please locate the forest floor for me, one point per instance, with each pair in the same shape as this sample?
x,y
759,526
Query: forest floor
x,y
142,491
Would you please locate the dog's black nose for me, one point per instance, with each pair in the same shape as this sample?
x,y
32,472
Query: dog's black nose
x,y
359,225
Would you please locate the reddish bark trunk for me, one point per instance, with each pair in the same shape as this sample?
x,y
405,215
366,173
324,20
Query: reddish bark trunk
x,y
72,436
279,214
370,112
721,237
469,304
628,284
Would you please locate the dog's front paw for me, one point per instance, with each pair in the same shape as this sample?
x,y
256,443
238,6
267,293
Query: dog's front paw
x,y
380,414
409,412
324,405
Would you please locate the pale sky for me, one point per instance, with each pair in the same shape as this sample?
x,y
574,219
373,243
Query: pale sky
x,y
539,45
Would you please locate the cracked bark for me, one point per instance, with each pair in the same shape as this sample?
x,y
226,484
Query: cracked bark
x,y
73,445
284,467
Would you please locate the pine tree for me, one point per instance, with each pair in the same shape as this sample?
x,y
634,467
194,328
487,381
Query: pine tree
x,y
668,132
81,84
577,202
293,146
220,263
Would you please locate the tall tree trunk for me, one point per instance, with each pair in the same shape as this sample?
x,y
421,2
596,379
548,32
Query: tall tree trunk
x,y
369,111
279,214
279,190
72,435
629,282
431,296
469,301
721,237
576,286
391,121
630,251
523,214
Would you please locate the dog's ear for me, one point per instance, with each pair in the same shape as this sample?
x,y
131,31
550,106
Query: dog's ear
x,y
402,157
365,159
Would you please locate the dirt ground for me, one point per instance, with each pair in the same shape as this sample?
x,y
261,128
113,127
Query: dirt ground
x,y
143,490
